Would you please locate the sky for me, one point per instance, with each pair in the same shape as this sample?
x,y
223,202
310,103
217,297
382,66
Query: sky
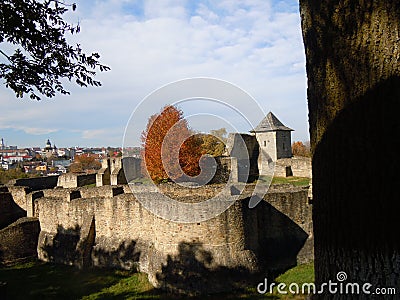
x,y
254,45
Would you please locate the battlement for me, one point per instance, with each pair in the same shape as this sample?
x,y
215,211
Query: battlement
x,y
120,233
107,226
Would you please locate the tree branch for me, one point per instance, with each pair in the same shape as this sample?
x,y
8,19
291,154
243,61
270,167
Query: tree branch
x,y
1,51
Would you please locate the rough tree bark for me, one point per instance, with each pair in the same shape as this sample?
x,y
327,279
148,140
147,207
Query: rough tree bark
x,y
353,69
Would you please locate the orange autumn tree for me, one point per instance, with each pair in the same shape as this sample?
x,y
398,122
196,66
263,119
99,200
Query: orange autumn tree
x,y
299,149
168,147
85,163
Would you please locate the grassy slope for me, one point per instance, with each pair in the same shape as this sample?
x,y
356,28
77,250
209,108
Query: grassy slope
x,y
37,280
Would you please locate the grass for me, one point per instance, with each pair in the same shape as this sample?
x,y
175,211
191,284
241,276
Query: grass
x,y
299,275
296,181
91,185
38,280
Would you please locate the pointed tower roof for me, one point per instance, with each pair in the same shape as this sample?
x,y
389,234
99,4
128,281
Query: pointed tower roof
x,y
48,144
270,123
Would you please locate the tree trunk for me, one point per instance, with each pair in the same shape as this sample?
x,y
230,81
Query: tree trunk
x,y
353,69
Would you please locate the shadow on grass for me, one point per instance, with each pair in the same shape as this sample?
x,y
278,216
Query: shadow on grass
x,y
38,280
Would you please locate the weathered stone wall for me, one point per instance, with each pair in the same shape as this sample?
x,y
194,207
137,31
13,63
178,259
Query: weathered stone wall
x,y
131,169
267,142
293,221
19,240
121,220
225,169
283,144
178,192
245,148
298,165
9,210
103,191
118,232
37,183
71,180
103,175
19,195
118,170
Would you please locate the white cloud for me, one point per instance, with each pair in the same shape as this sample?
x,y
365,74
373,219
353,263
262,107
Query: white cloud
x,y
156,42
37,131
30,130
94,134
164,9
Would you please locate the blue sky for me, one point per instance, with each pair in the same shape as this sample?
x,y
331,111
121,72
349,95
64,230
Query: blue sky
x,y
254,44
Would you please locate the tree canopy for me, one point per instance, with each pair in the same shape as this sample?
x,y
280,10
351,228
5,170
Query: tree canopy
x,y
169,148
34,53
85,163
214,143
300,149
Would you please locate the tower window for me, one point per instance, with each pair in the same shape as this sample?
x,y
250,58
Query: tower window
x,y
265,143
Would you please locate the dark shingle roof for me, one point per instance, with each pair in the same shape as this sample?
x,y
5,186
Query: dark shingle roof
x,y
270,123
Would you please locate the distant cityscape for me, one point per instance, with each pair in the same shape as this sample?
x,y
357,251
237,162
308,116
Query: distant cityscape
x,y
51,160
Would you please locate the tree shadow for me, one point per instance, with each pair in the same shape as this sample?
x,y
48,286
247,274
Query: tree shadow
x,y
191,272
63,247
54,281
74,246
124,256
273,236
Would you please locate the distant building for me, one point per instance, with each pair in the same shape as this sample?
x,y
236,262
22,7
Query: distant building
x,y
63,152
3,163
3,146
10,156
61,162
257,153
61,169
273,137
41,168
49,151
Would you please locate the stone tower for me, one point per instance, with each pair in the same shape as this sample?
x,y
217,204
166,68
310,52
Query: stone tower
x,y
274,139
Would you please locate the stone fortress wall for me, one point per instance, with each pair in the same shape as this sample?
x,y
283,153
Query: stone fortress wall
x,y
71,180
37,183
298,166
112,170
10,210
19,240
96,229
246,149
107,227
